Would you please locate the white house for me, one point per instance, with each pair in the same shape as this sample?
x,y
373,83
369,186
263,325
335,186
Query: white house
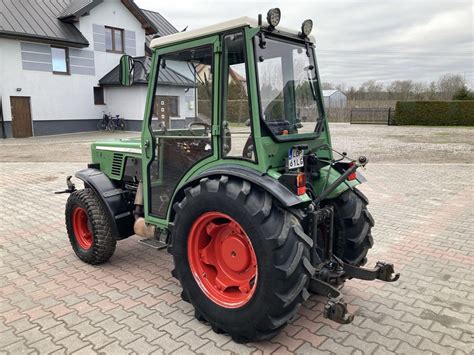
x,y
175,96
334,99
54,53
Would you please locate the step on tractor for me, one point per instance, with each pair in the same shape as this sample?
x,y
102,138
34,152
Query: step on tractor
x,y
234,174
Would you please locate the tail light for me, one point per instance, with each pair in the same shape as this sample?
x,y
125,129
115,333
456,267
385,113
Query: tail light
x,y
301,184
352,176
295,182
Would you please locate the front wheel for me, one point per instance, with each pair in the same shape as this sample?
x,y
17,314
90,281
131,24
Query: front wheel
x,y
101,125
242,260
89,228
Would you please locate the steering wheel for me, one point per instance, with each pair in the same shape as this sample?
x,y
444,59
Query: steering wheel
x,y
207,127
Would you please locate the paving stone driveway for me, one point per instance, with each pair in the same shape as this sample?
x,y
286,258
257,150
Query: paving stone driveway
x,y
52,302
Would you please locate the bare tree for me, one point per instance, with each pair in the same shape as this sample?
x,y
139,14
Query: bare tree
x,y
449,84
400,89
371,89
432,91
341,87
328,86
373,93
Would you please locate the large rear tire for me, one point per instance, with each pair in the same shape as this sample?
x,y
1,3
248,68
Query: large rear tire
x,y
234,219
352,227
88,227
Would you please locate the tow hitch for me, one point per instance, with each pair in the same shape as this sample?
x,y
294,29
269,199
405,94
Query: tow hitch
x,y
382,271
70,187
331,272
336,308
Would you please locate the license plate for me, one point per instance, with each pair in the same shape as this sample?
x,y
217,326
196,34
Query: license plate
x,y
360,177
295,159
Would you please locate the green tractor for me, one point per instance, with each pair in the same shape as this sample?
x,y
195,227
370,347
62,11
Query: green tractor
x,y
235,175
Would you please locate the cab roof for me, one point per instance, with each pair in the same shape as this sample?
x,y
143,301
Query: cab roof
x,y
210,30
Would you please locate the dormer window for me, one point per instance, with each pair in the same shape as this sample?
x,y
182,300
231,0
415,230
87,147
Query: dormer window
x,y
114,39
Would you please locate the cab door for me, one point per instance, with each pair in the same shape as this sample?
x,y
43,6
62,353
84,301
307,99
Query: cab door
x,y
175,147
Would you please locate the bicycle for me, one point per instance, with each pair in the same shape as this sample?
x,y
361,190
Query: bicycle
x,y
117,123
104,122
111,123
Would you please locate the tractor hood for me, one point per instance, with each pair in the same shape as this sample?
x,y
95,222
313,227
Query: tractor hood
x,y
111,155
126,145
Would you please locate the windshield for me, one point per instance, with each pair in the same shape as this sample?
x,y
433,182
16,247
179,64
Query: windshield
x,y
289,91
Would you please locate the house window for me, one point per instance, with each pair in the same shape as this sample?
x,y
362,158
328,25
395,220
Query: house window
x,y
114,40
173,104
60,56
99,95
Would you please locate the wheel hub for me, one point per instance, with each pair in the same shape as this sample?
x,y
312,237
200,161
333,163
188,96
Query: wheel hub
x,y
222,259
235,254
82,230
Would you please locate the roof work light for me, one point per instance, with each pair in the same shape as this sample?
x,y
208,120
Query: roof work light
x,y
273,17
306,28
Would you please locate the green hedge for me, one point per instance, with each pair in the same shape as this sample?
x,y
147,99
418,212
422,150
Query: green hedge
x,y
435,113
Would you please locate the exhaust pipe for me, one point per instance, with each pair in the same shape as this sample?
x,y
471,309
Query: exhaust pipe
x,y
140,227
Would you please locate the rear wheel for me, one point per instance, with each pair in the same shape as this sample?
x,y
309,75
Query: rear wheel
x,y
122,124
352,227
222,259
242,260
89,228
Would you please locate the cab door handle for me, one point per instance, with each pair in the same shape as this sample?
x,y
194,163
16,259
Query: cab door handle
x,y
146,148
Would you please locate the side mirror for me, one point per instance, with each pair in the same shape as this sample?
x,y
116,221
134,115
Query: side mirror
x,y
126,70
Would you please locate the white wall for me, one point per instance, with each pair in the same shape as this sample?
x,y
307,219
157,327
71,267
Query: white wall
x,y
114,14
186,100
65,97
53,96
128,102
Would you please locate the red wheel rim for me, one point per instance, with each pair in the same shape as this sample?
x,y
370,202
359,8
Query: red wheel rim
x,y
81,228
222,259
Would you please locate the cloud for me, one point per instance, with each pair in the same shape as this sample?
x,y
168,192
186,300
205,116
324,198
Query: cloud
x,y
358,40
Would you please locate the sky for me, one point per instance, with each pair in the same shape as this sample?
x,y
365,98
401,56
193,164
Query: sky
x,y
359,40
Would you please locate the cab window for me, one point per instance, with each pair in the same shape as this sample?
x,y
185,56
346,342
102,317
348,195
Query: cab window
x,y
236,124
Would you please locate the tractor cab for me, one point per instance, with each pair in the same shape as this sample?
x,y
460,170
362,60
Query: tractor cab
x,y
239,93
234,174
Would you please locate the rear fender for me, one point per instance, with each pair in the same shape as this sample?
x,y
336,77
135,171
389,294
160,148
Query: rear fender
x,y
282,194
112,199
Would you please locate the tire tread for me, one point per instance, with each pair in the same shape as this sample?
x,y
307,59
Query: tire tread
x,y
288,248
